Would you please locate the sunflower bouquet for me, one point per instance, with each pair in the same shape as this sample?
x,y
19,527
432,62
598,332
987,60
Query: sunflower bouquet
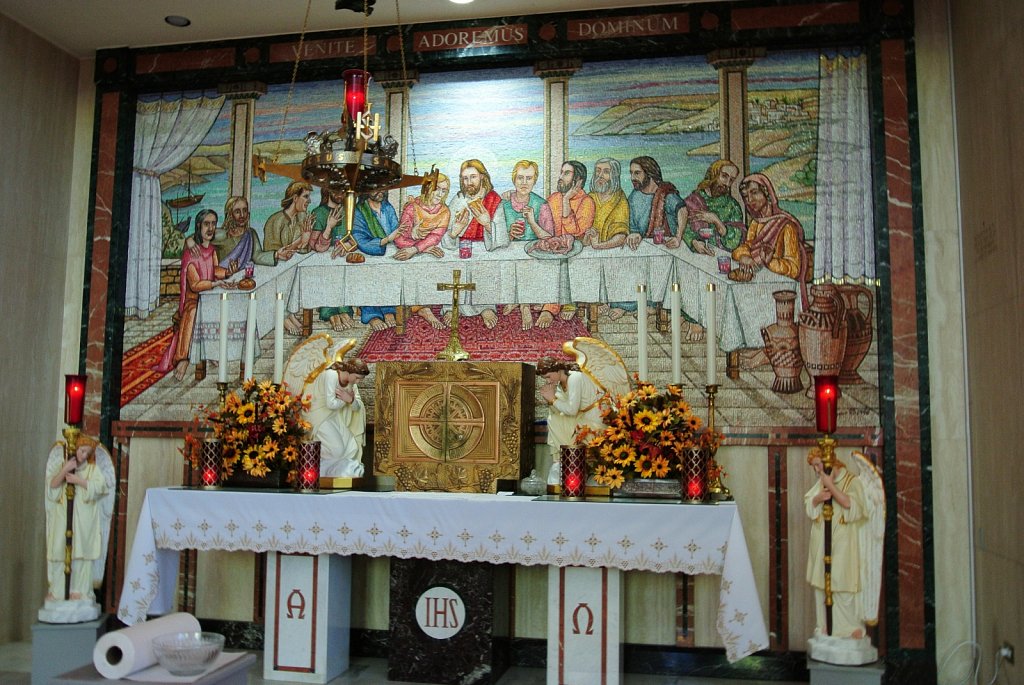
x,y
645,433
260,430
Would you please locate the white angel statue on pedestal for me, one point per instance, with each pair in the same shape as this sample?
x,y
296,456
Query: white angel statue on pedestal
x,y
574,391
318,368
855,571
79,496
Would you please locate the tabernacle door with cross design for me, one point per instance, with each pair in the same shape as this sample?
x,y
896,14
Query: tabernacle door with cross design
x,y
453,426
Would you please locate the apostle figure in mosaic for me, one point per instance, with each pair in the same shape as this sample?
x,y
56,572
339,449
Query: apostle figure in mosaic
x,y
710,216
79,497
852,505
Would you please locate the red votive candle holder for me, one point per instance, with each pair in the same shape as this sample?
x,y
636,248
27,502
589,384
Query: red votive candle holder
x,y
356,82
210,461
307,477
695,475
826,402
574,471
74,398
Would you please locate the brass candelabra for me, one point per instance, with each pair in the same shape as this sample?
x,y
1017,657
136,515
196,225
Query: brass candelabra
x,y
717,490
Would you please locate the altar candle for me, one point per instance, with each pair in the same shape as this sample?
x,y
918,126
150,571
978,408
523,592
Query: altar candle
x,y
250,336
74,398
677,335
641,330
826,402
711,336
222,363
279,338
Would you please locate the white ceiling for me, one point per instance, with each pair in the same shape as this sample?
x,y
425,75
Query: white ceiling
x,y
81,27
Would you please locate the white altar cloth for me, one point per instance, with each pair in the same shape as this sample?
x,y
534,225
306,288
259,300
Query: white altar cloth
x,y
498,529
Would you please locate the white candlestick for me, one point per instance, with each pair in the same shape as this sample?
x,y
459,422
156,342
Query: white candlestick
x,y
677,335
279,339
222,360
711,336
250,336
641,328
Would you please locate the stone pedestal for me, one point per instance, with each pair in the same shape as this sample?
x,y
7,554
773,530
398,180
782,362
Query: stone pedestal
x,y
449,622
584,625
60,647
830,674
308,611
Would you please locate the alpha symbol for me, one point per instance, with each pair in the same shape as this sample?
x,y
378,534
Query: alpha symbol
x,y
296,602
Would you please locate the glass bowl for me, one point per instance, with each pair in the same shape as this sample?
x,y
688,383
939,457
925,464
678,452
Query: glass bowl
x,y
187,653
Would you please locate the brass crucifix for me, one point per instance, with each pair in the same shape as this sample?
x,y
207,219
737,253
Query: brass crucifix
x,y
453,351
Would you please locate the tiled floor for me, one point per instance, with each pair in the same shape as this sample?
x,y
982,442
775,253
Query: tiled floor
x,y
16,667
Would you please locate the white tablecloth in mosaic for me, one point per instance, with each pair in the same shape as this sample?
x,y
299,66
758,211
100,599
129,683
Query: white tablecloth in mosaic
x,y
664,538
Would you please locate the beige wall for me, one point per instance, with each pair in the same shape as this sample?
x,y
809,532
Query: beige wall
x,y
990,122
37,127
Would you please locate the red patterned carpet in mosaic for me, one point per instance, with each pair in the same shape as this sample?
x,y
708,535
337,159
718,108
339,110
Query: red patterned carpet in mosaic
x,y
138,364
505,342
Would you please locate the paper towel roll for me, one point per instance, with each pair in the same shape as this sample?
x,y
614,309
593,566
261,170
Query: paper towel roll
x,y
126,651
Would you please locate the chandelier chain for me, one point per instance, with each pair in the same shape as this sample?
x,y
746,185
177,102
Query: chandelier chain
x,y
291,84
406,116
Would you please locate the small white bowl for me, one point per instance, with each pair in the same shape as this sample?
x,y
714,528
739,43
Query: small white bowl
x,y
187,653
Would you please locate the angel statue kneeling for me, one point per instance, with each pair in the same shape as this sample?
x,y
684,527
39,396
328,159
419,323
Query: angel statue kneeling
x,y
575,392
857,532
79,503
318,367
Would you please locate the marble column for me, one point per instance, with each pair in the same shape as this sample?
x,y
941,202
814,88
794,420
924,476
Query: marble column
x,y
556,74
732,64
242,98
398,124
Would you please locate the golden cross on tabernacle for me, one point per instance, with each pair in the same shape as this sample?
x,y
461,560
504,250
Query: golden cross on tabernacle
x,y
454,352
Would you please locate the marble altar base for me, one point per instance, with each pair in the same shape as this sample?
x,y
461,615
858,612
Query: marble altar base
x,y
308,611
449,622
584,625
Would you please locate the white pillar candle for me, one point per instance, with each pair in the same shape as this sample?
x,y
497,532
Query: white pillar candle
x,y
279,338
222,359
677,335
641,329
711,335
250,336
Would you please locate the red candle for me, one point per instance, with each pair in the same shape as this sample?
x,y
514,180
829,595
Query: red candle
x,y
826,402
210,476
695,488
356,83
308,475
74,399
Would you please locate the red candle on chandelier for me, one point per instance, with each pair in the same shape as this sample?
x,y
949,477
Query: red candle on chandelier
x,y
826,402
74,398
356,82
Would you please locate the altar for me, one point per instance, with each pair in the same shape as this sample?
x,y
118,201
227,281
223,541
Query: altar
x,y
497,529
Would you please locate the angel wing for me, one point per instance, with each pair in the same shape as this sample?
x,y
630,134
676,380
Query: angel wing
x,y
106,510
601,364
870,538
310,358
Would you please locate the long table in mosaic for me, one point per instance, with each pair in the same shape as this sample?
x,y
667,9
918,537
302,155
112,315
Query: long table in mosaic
x,y
511,275
497,529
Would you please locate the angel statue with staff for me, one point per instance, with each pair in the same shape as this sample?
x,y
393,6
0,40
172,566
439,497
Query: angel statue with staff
x,y
318,368
79,494
847,586
574,391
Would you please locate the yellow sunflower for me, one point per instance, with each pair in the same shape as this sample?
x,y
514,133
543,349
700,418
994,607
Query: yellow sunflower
x,y
646,391
290,454
693,423
260,469
248,384
646,420
644,466
269,449
614,477
279,427
624,455
661,467
246,413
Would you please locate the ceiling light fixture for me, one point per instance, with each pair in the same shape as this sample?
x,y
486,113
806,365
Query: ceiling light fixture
x,y
461,2
178,21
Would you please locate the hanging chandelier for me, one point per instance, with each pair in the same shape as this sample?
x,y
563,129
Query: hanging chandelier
x,y
355,159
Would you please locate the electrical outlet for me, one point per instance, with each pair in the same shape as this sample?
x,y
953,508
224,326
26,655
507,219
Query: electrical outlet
x,y
1006,652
